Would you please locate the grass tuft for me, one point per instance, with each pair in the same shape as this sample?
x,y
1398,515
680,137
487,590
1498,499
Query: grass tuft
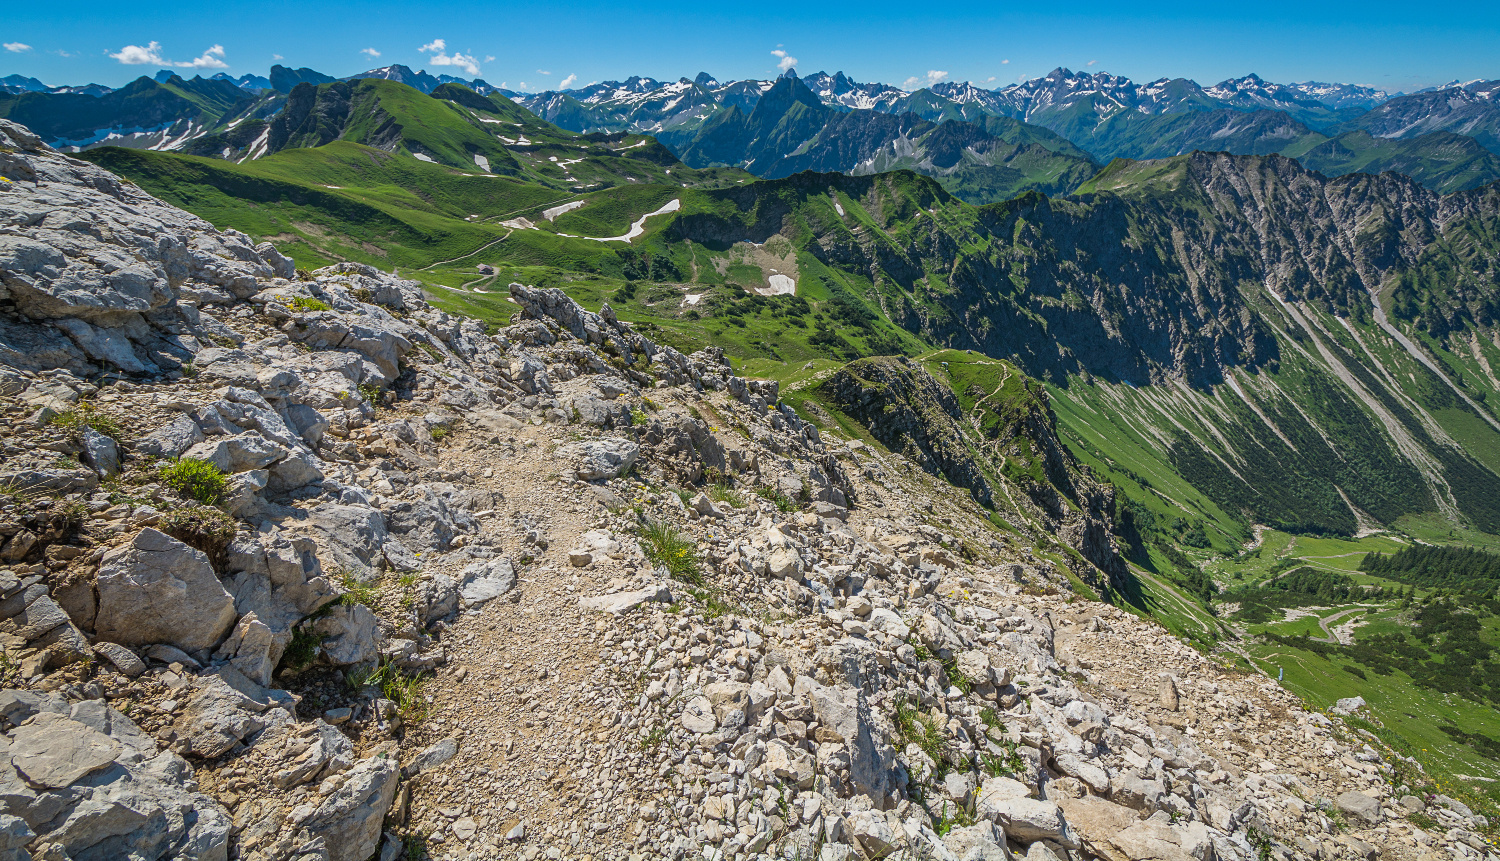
x,y
667,548
195,479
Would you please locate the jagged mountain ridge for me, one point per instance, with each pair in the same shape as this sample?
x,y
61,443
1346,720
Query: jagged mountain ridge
x,y
791,130
1106,116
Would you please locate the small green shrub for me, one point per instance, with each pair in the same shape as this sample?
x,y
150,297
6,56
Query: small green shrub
x,y
670,549
914,727
439,434
400,688
307,303
355,591
722,492
371,393
86,415
195,479
302,650
771,494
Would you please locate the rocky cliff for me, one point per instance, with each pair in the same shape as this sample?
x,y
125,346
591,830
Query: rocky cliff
x,y
301,567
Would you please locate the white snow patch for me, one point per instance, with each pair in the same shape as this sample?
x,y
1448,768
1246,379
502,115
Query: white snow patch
x,y
483,162
692,298
518,224
554,212
839,208
638,227
781,285
334,187
423,157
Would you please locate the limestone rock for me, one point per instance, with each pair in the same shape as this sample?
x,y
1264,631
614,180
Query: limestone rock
x,y
158,590
601,458
623,602
486,580
349,820
1360,807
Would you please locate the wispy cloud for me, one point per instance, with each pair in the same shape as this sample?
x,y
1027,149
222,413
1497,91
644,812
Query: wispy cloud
x,y
141,55
567,82
17,47
277,57
932,77
1005,62
1093,62
438,48
370,52
213,58
150,55
990,79
787,61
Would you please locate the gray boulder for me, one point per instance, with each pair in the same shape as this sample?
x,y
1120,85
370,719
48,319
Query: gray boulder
x,y
350,635
1359,807
620,603
845,713
101,453
601,458
486,580
158,590
348,821
314,752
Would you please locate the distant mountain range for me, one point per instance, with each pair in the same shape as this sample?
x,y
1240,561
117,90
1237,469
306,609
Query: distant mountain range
x,y
1047,134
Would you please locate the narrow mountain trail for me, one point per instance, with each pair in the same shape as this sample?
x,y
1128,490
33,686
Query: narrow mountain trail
x,y
522,694
478,250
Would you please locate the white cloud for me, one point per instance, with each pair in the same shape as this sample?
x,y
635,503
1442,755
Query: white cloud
x,y
17,47
438,48
778,53
787,61
370,52
567,82
1005,62
489,58
277,57
150,55
1093,62
213,58
990,79
540,72
932,77
141,55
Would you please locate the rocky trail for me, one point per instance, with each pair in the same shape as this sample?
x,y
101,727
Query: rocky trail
x,y
296,566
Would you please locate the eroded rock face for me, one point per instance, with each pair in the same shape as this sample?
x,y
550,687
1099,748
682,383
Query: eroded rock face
x,y
109,259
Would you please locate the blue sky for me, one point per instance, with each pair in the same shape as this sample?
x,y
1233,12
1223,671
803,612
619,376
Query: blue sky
x,y
541,45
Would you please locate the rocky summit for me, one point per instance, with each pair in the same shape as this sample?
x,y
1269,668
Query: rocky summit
x,y
297,566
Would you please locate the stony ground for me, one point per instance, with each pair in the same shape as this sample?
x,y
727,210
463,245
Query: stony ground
x,y
300,567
